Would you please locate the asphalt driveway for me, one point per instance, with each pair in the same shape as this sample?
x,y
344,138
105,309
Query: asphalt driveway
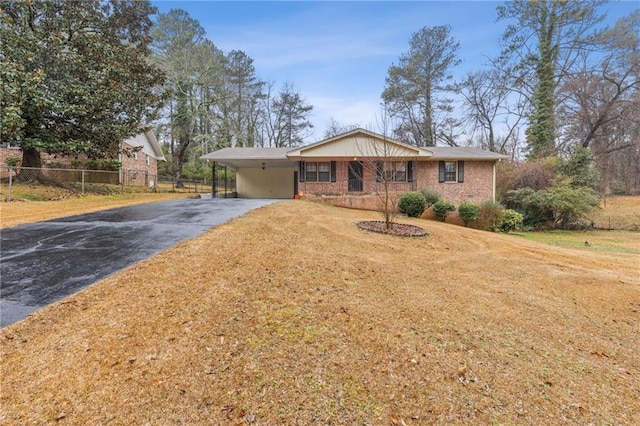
x,y
43,262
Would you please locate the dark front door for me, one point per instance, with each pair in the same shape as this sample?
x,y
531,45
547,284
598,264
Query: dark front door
x,y
355,176
295,183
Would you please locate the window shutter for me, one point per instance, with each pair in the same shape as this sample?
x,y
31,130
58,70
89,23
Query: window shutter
x,y
460,171
333,171
440,171
409,171
303,172
379,170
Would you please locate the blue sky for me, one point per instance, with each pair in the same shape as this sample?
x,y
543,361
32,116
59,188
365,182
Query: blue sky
x,y
337,53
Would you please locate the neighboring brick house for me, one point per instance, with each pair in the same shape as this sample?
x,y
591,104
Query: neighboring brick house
x,y
359,163
141,168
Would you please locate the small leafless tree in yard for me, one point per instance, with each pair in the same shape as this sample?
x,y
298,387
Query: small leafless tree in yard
x,y
380,159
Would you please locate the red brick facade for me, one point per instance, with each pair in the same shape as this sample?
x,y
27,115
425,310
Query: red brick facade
x,y
9,153
477,185
140,169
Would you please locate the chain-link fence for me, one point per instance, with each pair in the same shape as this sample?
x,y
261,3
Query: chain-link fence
x,y
107,182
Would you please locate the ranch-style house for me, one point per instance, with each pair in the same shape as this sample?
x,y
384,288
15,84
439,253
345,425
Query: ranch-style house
x,y
360,162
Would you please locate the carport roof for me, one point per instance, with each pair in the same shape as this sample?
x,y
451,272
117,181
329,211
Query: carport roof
x,y
236,158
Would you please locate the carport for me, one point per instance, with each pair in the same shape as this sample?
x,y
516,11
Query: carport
x,y
264,173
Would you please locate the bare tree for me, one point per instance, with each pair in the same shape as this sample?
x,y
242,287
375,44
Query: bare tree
x,y
493,112
286,117
601,105
335,128
380,158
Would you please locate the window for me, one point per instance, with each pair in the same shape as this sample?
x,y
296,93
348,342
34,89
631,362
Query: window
x,y
451,171
322,171
400,172
393,171
135,155
147,160
312,172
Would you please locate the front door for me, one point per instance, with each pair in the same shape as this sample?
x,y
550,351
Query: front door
x,y
295,183
355,176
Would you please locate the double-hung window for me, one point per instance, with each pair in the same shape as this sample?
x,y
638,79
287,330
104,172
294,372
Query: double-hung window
x,y
393,171
451,171
318,171
312,171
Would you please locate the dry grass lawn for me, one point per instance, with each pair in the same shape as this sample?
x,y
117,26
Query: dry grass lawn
x,y
293,315
619,213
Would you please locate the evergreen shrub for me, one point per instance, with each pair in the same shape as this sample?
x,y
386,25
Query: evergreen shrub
x,y
468,212
412,204
442,208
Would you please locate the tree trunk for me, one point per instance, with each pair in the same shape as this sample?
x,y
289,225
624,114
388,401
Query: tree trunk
x,y
31,158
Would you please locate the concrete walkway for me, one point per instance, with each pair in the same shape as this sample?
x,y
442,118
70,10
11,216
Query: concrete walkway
x,y
43,262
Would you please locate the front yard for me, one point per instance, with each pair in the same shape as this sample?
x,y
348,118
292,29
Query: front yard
x,y
293,315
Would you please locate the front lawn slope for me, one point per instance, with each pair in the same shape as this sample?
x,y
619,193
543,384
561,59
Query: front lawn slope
x,y
293,315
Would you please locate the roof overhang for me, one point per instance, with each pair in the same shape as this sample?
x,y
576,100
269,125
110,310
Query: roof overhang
x,y
356,144
240,158
464,154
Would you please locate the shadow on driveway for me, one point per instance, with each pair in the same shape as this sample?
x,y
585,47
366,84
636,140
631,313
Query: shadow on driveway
x,y
43,262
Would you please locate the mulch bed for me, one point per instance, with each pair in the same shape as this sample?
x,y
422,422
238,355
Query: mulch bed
x,y
399,229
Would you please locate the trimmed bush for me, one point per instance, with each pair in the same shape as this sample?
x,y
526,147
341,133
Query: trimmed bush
x,y
511,220
468,212
13,161
412,204
490,216
431,197
442,208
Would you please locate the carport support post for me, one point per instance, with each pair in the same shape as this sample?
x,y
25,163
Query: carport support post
x,y
213,180
225,181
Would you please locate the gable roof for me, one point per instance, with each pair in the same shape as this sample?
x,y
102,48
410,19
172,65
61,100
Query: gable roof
x,y
358,143
149,144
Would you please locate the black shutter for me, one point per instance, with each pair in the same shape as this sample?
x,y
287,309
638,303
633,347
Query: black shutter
x,y
379,170
333,171
409,171
440,171
460,171
303,171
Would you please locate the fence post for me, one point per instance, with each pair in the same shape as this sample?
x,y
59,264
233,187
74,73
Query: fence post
x,y
83,181
10,198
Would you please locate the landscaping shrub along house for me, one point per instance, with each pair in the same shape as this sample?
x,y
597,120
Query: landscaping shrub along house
x,y
349,168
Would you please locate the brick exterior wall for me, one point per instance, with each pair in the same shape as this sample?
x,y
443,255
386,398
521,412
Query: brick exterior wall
x,y
477,185
8,153
138,172
341,185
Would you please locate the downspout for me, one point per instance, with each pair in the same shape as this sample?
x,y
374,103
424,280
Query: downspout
x,y
493,190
